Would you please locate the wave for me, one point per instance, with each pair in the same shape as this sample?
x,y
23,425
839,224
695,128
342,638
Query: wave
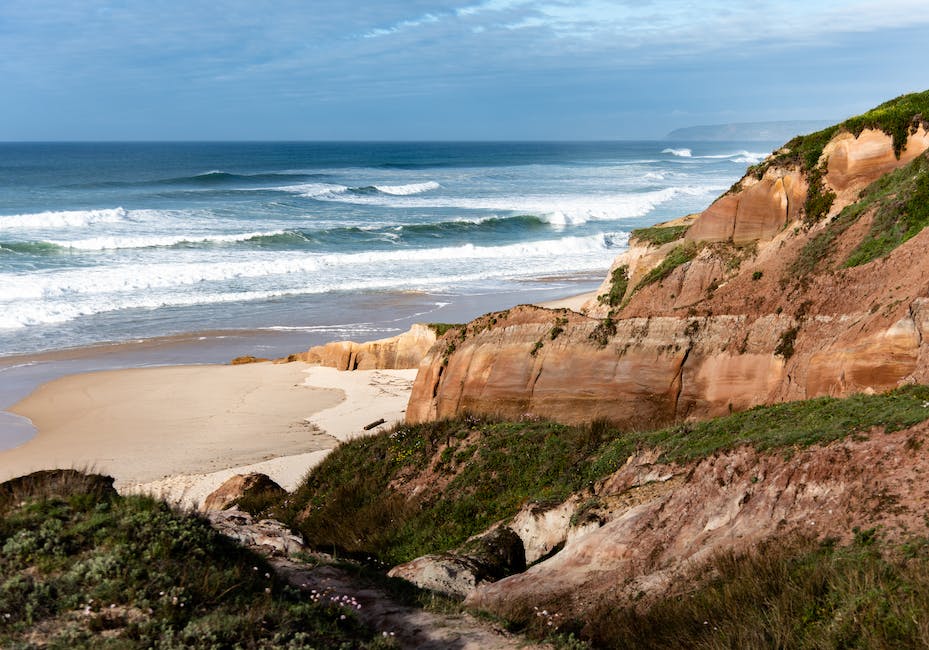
x,y
115,243
738,157
70,295
63,219
681,153
130,278
212,178
555,210
406,190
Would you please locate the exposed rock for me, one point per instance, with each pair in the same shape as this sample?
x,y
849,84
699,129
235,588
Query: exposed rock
x,y
487,558
543,530
729,502
243,486
403,351
56,482
642,374
267,536
855,162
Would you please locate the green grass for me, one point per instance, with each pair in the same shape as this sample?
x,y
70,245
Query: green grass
x,y
900,201
619,282
441,328
675,258
82,567
493,468
803,594
897,118
658,235
902,213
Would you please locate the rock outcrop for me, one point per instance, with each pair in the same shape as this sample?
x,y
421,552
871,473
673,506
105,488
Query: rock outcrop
x,y
655,524
404,351
241,488
731,324
487,558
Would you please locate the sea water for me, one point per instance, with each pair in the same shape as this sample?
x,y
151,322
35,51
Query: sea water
x,y
110,242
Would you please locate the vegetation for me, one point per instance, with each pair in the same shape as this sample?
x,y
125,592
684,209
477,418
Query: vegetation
x,y
658,235
82,567
900,201
619,282
801,595
441,328
675,258
785,345
900,215
480,470
898,118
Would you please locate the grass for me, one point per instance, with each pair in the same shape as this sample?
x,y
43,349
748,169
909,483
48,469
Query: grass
x,y
619,282
804,594
479,471
658,235
675,258
900,201
82,567
902,213
441,328
897,118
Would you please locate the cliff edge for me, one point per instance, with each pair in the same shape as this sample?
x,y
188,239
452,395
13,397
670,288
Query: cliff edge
x,y
806,278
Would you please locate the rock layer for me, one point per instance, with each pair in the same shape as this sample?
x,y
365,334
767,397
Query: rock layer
x,y
404,351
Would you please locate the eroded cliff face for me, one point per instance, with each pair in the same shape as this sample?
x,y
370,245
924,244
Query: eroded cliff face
x,y
734,326
404,351
649,527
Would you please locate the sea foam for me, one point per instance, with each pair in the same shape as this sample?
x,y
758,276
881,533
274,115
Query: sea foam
x,y
63,219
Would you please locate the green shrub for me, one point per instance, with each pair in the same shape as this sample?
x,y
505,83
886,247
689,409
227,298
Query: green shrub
x,y
619,282
675,258
129,572
658,235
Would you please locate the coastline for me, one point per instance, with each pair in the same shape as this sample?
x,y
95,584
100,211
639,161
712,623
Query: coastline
x,y
178,431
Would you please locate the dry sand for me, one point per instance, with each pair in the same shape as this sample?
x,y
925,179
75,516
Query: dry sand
x,y
573,303
180,431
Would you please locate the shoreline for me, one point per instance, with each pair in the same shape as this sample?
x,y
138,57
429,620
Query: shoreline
x,y
190,423
179,431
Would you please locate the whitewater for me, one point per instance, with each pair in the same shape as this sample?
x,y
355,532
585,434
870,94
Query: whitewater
x,y
117,242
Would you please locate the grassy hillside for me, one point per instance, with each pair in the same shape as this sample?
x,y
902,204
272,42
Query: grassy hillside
x,y
81,567
427,488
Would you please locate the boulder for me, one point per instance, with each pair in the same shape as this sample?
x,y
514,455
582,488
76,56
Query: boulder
x,y
267,536
242,489
487,558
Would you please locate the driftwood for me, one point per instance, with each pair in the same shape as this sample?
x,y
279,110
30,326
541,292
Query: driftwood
x,y
376,423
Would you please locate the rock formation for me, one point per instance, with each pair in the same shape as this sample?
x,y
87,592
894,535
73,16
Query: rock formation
x,y
752,305
403,351
652,524
243,487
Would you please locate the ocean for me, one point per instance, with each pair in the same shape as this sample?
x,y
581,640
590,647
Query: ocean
x,y
117,255
110,242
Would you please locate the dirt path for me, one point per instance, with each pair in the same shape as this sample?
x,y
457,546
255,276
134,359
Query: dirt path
x,y
411,626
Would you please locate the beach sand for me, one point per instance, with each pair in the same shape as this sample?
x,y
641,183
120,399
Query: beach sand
x,y
180,431
571,302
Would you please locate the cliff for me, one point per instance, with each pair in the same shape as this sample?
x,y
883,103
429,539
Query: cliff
x,y
807,278
403,351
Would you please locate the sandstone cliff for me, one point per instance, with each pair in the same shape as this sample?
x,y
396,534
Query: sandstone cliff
x,y
779,290
403,351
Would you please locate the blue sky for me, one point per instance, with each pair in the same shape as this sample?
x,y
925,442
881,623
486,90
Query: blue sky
x,y
469,69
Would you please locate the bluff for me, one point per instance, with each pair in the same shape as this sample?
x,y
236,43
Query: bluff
x,y
806,278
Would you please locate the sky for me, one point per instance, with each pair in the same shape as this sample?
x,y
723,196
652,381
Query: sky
x,y
444,69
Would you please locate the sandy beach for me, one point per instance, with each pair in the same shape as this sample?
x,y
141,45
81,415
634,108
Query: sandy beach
x,y
180,431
